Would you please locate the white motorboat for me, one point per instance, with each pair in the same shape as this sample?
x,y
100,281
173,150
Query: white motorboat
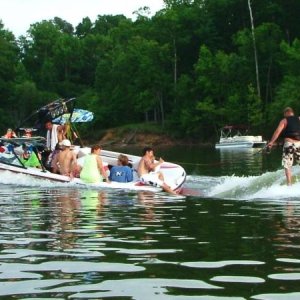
x,y
236,137
174,174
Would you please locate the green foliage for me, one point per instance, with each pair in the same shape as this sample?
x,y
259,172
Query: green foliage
x,y
221,98
288,91
254,108
8,64
190,68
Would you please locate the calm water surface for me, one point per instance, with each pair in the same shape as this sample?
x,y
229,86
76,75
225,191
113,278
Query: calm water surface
x,y
238,238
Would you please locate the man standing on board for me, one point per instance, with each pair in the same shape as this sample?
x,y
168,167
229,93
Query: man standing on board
x,y
289,127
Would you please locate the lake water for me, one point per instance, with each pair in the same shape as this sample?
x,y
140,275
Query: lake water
x,y
236,237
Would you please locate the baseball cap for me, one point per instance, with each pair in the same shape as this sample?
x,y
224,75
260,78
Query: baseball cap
x,y
66,143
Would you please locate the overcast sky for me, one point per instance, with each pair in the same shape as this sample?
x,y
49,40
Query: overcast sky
x,y
17,15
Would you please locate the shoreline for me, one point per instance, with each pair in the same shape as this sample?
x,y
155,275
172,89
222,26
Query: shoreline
x,y
115,138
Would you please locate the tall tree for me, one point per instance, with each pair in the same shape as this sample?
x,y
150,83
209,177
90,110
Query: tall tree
x,y
254,49
9,55
289,89
38,52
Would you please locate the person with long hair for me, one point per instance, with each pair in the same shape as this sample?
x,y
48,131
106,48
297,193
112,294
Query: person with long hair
x,y
122,172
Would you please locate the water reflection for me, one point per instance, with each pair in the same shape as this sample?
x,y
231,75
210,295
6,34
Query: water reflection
x,y
92,244
288,230
146,200
208,161
241,161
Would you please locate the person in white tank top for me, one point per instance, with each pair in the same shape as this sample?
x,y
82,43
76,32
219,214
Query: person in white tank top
x,y
55,134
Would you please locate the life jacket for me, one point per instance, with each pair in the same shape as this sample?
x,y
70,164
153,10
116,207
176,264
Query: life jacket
x,y
30,159
28,133
9,135
292,129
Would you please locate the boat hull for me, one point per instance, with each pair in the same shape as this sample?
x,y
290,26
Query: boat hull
x,y
37,174
236,137
174,174
240,145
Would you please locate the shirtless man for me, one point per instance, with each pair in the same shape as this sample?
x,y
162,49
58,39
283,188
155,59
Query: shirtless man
x,y
147,170
65,162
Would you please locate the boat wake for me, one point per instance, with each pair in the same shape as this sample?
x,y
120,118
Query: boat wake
x,y
270,185
24,180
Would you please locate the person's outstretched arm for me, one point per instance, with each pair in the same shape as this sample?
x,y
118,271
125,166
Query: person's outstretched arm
x,y
277,132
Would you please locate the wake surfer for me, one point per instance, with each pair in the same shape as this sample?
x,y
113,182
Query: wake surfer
x,y
289,127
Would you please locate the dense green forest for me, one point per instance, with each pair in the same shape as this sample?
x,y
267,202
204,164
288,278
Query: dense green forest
x,y
191,68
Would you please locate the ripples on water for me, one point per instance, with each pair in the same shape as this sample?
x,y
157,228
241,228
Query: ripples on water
x,y
88,244
238,240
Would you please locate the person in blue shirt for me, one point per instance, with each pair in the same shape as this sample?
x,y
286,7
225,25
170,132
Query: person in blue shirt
x,y
122,172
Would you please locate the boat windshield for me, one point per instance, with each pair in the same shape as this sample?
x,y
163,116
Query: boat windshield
x,y
8,155
10,159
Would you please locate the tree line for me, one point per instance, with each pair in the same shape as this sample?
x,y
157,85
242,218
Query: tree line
x,y
193,67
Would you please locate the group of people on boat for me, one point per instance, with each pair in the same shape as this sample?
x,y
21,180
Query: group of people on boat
x,y
10,134
63,160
